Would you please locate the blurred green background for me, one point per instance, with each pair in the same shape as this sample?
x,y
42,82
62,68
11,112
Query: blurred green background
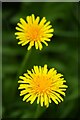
x,y
62,54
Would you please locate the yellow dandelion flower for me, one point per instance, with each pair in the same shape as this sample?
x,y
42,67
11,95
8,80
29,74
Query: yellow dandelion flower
x,y
43,85
34,32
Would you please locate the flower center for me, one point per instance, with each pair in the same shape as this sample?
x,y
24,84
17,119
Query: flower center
x,y
41,84
33,33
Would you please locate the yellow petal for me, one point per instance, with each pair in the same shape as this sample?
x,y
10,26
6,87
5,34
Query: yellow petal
x,y
23,92
47,27
48,31
27,76
44,38
49,100
45,43
42,21
45,99
49,35
20,42
36,45
47,24
30,98
36,69
37,20
38,99
53,98
26,96
29,72
42,100
22,86
20,25
27,41
63,86
19,29
30,45
40,70
23,22
57,94
33,99
17,37
33,18
33,71
59,91
19,33
29,19
50,72
45,69
22,81
40,45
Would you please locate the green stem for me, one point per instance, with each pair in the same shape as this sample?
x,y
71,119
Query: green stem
x,y
24,62
39,111
22,66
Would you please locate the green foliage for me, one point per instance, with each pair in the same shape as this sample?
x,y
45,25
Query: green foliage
x,y
62,54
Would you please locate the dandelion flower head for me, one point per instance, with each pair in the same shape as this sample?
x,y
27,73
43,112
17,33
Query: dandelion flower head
x,y
34,32
42,85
